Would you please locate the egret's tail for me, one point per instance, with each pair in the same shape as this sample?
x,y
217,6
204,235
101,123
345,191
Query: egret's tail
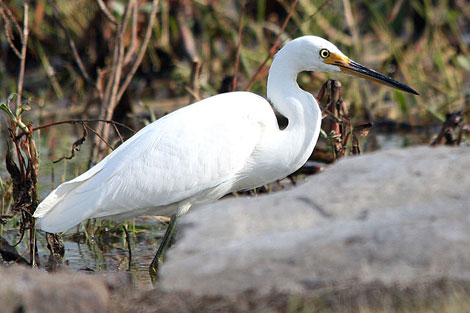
x,y
65,206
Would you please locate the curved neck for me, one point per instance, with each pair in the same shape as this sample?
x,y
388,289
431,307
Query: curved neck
x,y
282,84
301,109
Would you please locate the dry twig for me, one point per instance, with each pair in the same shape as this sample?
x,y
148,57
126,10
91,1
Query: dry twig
x,y
115,89
338,121
9,19
77,144
193,88
239,45
451,131
106,12
24,44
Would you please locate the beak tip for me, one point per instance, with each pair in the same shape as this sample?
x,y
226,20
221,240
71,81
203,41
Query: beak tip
x,y
412,91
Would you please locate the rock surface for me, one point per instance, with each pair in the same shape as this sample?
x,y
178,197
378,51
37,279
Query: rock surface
x,y
26,290
29,290
394,217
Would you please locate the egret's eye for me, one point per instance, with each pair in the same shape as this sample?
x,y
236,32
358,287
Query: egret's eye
x,y
324,53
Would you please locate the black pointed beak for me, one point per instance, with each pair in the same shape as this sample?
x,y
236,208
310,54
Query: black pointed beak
x,y
359,70
350,67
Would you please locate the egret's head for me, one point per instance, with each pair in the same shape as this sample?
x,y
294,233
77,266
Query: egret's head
x,y
319,55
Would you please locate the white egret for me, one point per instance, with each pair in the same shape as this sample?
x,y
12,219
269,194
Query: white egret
x,y
199,153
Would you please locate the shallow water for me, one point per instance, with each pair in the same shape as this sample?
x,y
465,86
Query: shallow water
x,y
107,251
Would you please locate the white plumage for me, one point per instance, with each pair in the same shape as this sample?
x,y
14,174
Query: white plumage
x,y
201,152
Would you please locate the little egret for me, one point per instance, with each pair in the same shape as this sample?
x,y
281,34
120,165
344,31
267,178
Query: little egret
x,y
199,153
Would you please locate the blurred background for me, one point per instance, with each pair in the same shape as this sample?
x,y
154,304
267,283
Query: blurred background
x,y
422,43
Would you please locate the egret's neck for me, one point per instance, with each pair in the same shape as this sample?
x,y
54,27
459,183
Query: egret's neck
x,y
297,105
284,92
282,86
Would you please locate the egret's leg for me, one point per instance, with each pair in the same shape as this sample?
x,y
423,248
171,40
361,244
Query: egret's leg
x,y
128,240
164,245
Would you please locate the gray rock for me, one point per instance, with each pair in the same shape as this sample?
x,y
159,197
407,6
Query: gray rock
x,y
396,217
26,290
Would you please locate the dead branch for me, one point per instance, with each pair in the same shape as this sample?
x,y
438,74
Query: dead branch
x,y
106,12
24,180
143,48
9,19
118,62
100,137
130,54
193,88
189,44
112,81
359,130
239,45
55,245
110,96
118,132
187,37
115,90
341,134
76,146
81,121
24,43
24,172
451,130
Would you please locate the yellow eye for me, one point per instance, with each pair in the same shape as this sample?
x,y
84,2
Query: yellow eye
x,y
324,53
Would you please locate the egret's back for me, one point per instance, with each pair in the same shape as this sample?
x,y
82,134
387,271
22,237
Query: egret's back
x,y
196,154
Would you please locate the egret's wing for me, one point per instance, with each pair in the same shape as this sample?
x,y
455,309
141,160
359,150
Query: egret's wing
x,y
178,157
